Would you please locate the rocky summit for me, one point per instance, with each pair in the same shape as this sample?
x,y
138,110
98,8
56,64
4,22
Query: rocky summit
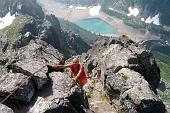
x,y
128,73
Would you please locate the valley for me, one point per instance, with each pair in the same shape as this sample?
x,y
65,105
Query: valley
x,y
73,14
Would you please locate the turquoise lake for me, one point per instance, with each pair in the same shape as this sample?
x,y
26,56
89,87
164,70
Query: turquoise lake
x,y
96,25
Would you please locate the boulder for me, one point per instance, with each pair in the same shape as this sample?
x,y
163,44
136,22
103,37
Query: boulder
x,y
32,59
34,68
65,97
20,85
135,92
5,109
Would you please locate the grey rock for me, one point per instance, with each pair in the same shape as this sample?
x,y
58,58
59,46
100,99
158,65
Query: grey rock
x,y
67,42
5,109
32,60
34,68
129,73
21,86
65,97
136,95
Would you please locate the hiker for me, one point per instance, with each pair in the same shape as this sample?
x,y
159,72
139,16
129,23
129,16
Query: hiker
x,y
80,76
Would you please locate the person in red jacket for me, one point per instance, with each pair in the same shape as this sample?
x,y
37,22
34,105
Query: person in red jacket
x,y
80,76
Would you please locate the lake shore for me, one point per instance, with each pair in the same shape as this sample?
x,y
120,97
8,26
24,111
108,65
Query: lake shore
x,y
73,15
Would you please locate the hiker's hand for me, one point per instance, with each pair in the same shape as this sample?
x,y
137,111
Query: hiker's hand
x,y
75,78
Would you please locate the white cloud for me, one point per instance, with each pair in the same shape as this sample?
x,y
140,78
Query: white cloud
x,y
6,20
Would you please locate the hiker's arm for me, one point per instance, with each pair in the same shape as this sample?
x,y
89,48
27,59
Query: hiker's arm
x,y
62,66
79,73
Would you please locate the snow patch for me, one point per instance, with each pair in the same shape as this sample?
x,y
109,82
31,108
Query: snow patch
x,y
6,20
133,12
166,42
71,6
94,11
19,6
81,8
154,19
111,9
142,19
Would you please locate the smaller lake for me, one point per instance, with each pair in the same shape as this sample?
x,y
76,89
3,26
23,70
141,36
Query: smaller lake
x,y
96,25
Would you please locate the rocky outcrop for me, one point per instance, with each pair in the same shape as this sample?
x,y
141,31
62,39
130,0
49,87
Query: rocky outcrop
x,y
18,83
66,97
128,73
74,44
67,42
28,28
32,59
25,73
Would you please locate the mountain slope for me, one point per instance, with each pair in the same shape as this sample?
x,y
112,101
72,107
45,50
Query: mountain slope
x,y
29,7
161,52
28,27
146,8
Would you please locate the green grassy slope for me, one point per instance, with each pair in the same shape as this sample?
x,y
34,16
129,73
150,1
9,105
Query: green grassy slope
x,y
12,32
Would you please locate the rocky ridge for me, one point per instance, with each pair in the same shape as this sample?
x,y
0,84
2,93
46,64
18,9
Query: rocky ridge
x,y
128,73
33,89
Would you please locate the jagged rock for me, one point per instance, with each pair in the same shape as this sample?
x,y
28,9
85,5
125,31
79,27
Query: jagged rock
x,y
136,95
5,109
75,43
126,71
51,32
20,85
53,105
115,55
68,43
32,59
34,68
65,97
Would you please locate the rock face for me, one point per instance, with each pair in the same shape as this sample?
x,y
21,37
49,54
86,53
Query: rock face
x,y
66,97
25,73
66,42
18,83
127,72
32,59
47,29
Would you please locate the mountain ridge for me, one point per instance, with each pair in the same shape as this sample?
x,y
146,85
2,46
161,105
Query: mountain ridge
x,y
34,90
